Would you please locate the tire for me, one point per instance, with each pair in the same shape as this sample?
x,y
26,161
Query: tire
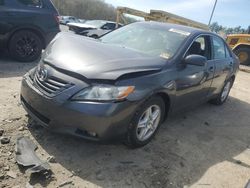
x,y
244,55
25,46
222,97
133,139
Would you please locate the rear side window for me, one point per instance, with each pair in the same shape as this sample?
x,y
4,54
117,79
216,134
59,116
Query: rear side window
x,y
31,3
228,54
218,48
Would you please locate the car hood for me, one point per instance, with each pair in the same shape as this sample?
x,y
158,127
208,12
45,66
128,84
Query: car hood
x,y
96,60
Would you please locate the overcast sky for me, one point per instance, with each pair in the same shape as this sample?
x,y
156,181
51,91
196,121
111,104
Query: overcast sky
x,y
229,13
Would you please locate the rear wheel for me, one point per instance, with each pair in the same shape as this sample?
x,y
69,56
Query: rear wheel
x,y
145,122
243,55
25,46
222,97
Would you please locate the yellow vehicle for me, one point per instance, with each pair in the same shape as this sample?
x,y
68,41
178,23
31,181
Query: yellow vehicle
x,y
157,15
240,44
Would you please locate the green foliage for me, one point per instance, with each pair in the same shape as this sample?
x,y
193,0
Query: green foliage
x,y
215,27
86,9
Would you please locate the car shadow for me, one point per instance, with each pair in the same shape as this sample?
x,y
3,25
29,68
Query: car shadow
x,y
12,68
186,146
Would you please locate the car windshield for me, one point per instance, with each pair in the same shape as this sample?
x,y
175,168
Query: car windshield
x,y
96,23
150,39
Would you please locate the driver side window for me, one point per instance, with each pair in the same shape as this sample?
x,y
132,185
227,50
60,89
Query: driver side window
x,y
31,3
201,46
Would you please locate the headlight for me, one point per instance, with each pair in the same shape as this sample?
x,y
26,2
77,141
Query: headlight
x,y
104,93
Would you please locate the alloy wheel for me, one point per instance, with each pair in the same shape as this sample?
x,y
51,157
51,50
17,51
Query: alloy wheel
x,y
26,46
148,122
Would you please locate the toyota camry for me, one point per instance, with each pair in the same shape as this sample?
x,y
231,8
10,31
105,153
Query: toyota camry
x,y
125,84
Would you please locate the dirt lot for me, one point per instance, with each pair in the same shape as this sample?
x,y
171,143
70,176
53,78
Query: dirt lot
x,y
206,147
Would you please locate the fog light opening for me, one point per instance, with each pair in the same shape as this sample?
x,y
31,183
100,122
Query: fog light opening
x,y
85,133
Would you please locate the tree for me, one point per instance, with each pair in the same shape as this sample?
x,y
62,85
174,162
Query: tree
x,y
215,27
86,9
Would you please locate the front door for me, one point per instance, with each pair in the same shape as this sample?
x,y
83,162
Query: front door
x,y
194,82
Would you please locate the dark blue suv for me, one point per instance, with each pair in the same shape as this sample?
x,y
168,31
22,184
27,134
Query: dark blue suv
x,y
26,27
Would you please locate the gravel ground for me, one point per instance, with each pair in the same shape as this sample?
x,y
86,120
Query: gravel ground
x,y
208,146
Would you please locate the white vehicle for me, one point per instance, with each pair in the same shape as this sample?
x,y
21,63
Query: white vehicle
x,y
93,28
68,19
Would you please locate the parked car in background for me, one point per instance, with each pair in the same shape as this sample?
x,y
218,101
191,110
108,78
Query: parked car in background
x,y
82,20
126,83
26,27
64,20
93,28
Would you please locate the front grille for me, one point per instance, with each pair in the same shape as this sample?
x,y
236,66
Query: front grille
x,y
52,85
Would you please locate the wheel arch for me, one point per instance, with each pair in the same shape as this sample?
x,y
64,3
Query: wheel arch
x,y
241,45
33,29
233,78
167,102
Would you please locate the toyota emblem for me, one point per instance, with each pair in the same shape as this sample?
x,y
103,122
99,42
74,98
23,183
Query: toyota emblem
x,y
42,74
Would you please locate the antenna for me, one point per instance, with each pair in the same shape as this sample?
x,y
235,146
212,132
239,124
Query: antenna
x,y
215,3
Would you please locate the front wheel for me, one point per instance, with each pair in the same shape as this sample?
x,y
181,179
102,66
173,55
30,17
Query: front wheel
x,y
222,97
146,122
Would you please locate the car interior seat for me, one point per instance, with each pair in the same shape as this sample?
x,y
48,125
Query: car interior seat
x,y
195,49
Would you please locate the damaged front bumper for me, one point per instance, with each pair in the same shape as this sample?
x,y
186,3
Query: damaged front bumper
x,y
89,120
26,156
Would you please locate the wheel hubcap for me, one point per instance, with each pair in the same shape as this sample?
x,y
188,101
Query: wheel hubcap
x,y
26,46
148,122
225,91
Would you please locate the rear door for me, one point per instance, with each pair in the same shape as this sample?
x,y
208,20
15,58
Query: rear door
x,y
223,64
15,14
5,26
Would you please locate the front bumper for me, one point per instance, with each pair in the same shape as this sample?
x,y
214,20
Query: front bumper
x,y
107,120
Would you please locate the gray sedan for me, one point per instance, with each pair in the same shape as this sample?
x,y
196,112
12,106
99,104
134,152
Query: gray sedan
x,y
126,83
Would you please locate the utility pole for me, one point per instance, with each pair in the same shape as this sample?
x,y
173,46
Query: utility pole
x,y
215,3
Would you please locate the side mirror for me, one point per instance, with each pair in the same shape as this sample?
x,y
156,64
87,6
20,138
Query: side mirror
x,y
197,60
